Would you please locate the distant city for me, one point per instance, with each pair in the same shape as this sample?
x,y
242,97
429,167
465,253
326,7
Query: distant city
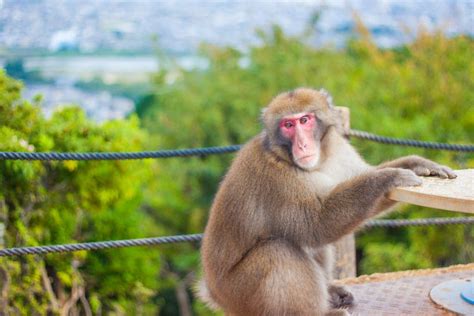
x,y
101,105
181,25
35,30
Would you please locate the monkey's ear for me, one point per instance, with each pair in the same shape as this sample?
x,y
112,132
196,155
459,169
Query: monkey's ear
x,y
328,97
262,115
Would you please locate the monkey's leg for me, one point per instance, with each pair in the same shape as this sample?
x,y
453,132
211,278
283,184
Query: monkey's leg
x,y
276,278
420,166
337,312
354,201
339,296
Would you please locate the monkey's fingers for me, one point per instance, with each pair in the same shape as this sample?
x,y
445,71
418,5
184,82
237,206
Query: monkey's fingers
x,y
448,172
435,170
422,171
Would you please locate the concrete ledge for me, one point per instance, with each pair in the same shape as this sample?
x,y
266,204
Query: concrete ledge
x,y
402,293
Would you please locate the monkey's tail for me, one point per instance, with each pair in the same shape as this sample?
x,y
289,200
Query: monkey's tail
x,y
202,291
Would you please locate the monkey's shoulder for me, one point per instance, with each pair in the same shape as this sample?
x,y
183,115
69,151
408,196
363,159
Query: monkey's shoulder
x,y
255,161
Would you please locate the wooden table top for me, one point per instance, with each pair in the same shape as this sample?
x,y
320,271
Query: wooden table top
x,y
447,194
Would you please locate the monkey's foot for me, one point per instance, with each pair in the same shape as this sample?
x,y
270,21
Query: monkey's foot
x,y
339,296
337,312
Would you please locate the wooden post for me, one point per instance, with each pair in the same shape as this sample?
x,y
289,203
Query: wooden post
x,y
345,266
3,219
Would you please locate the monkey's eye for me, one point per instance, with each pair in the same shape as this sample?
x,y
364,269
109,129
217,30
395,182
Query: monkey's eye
x,y
288,124
304,119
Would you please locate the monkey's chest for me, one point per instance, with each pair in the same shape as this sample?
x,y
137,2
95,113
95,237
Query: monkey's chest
x,y
319,183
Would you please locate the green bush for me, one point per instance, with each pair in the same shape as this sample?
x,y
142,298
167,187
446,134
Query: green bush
x,y
70,201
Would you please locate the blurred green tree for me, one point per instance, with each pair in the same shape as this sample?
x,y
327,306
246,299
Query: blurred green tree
x,y
70,201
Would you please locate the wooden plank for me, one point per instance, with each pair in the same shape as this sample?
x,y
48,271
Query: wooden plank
x,y
447,194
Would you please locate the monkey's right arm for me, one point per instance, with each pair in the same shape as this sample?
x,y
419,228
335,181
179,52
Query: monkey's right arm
x,y
353,201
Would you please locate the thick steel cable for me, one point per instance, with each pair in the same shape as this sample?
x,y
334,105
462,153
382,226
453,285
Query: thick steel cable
x,y
212,150
409,142
21,251
8,252
119,155
393,223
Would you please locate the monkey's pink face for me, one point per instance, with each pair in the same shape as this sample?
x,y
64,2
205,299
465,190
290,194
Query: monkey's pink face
x,y
300,130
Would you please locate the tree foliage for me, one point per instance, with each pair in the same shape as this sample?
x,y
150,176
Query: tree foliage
x,y
70,201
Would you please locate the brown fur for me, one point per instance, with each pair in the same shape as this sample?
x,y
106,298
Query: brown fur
x,y
267,245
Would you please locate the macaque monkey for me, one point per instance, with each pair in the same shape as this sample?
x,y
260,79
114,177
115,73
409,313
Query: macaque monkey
x,y
291,192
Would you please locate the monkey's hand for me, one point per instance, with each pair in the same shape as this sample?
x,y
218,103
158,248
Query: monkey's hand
x,y
401,178
397,177
339,296
421,166
425,167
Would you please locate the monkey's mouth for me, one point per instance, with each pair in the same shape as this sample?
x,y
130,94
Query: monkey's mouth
x,y
308,161
305,158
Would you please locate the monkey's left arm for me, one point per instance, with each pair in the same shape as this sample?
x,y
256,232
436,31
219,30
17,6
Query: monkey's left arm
x,y
420,166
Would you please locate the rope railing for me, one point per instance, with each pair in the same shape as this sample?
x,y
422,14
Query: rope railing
x,y
394,223
206,151
8,252
39,250
409,142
